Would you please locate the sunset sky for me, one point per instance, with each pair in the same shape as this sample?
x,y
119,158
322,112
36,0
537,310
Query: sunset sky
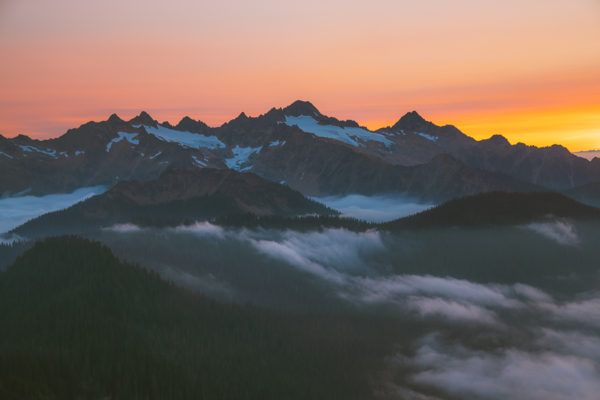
x,y
528,69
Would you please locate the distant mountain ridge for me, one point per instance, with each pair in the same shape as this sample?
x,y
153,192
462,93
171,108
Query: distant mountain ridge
x,y
297,145
588,154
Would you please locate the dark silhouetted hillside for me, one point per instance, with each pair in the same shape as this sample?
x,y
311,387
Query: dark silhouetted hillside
x,y
498,208
78,323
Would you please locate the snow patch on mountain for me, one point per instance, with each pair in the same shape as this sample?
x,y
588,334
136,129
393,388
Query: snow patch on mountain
x,y
185,138
33,149
350,135
427,136
241,155
199,163
130,137
6,155
277,143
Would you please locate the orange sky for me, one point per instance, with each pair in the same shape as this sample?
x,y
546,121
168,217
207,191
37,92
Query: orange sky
x,y
529,70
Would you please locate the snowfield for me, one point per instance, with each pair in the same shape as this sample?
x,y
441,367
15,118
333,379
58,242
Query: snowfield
x,y
241,155
185,138
130,137
350,135
33,149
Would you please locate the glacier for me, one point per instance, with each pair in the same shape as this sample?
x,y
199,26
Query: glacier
x,y
350,135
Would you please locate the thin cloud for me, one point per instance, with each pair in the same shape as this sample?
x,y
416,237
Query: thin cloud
x,y
506,374
560,232
377,208
201,229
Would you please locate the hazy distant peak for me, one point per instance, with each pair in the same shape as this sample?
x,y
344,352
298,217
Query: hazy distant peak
x,y
588,154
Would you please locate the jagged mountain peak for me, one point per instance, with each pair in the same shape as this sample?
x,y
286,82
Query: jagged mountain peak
x,y
192,125
412,120
143,119
186,120
114,118
301,107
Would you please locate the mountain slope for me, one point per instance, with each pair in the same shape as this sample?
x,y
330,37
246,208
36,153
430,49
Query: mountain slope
x,y
178,196
499,208
588,194
78,323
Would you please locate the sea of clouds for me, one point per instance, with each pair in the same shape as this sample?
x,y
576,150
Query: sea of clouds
x,y
536,345
15,211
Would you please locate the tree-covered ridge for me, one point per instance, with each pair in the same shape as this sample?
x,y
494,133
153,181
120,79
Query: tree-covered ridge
x,y
78,323
498,209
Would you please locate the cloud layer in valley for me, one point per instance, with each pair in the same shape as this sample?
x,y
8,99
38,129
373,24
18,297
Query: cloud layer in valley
x,y
378,208
15,211
559,231
559,369
483,340
348,262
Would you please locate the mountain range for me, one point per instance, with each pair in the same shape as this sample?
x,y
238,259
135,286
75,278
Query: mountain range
x,y
208,264
298,146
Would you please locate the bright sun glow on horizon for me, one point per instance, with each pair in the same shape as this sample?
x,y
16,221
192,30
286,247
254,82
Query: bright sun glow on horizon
x,y
527,70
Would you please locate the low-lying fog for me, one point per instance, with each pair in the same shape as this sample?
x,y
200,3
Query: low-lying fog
x,y
15,211
489,313
505,313
376,208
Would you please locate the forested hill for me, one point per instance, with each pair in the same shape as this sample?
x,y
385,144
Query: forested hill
x,y
498,208
78,323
